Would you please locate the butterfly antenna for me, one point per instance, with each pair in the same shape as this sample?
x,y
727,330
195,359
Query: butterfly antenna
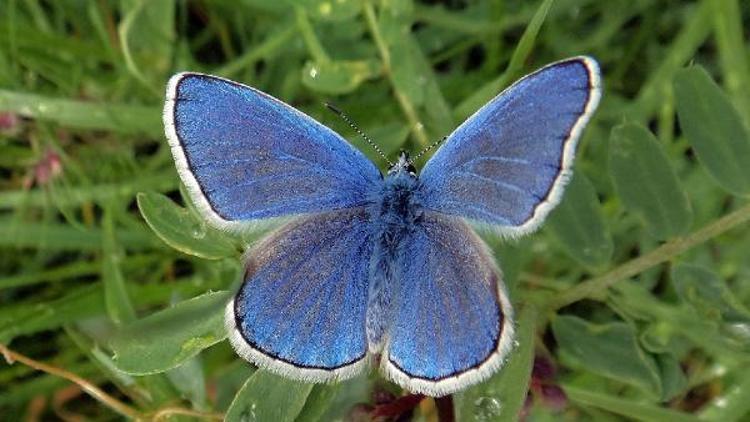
x,y
359,132
428,148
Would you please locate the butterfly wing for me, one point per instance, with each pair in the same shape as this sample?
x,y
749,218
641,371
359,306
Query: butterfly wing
x,y
244,155
301,309
507,165
452,320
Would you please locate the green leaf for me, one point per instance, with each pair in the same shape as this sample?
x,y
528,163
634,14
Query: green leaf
x,y
166,339
116,297
646,182
126,119
189,380
228,380
413,76
629,408
437,113
520,55
732,404
56,236
694,30
267,397
659,337
390,137
320,399
183,230
578,224
730,38
338,77
78,303
501,397
610,350
673,378
714,129
708,294
146,34
681,323
394,20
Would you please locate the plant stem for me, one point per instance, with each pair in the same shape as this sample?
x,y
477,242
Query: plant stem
x,y
165,413
263,50
308,35
90,388
97,393
416,127
593,288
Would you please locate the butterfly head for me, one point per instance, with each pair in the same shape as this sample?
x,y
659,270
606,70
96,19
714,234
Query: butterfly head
x,y
403,165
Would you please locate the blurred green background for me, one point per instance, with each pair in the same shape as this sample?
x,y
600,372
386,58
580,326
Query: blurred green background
x,y
632,299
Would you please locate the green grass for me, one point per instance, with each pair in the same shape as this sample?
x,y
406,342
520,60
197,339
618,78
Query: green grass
x,y
637,289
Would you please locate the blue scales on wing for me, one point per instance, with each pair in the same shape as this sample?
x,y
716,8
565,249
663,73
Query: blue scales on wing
x,y
301,309
507,164
451,324
245,155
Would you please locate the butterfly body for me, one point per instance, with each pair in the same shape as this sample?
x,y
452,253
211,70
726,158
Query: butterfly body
x,y
368,265
395,213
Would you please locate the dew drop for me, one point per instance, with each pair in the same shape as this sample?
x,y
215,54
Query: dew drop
x,y
313,72
249,414
487,408
199,231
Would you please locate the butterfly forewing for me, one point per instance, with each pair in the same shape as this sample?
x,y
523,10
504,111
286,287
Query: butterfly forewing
x,y
507,165
245,155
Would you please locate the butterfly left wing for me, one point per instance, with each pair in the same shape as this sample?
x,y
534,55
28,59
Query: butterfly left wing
x,y
507,165
451,320
301,309
244,155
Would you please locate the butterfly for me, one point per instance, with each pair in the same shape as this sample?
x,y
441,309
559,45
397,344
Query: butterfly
x,y
368,267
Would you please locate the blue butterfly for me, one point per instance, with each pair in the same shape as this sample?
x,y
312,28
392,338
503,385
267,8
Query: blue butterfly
x,y
367,265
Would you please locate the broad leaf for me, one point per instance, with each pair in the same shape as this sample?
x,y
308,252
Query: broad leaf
x,y
181,229
166,339
714,129
579,225
338,77
631,409
610,350
646,183
267,397
708,294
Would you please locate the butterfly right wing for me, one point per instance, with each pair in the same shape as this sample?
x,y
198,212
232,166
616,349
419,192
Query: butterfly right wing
x,y
452,322
301,309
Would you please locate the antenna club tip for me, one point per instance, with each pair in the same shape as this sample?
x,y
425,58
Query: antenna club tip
x,y
333,108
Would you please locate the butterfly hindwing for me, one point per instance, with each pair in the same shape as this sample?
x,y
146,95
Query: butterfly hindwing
x,y
300,311
245,155
452,321
507,165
